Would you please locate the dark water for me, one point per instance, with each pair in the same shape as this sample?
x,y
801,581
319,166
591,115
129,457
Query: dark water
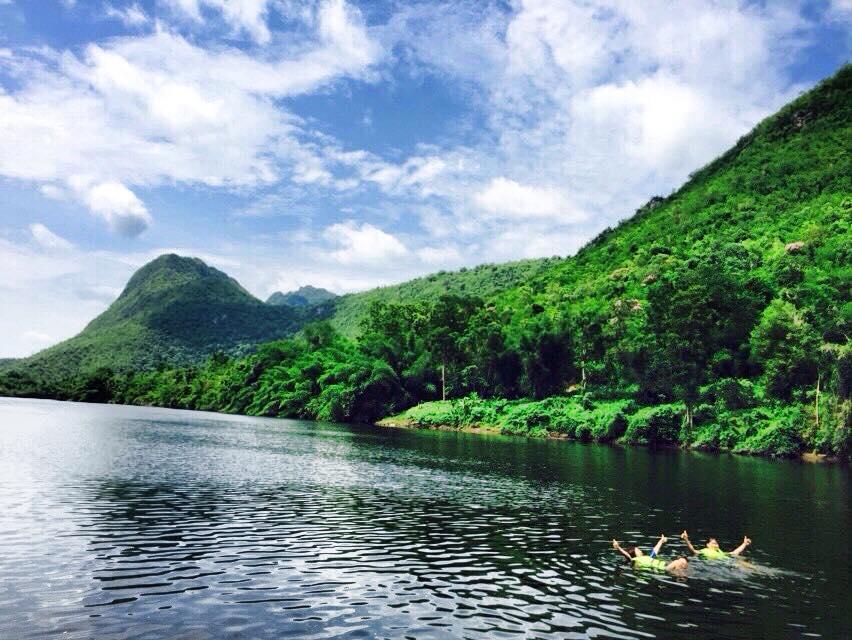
x,y
121,522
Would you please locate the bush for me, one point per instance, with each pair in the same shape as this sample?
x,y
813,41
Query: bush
x,y
773,431
716,436
656,425
608,420
433,414
530,418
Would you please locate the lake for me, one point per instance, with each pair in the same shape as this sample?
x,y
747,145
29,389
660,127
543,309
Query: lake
x,y
125,522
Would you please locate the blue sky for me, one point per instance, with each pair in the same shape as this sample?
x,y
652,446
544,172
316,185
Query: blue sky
x,y
352,144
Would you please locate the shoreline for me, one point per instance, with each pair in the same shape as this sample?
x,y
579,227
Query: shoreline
x,y
395,422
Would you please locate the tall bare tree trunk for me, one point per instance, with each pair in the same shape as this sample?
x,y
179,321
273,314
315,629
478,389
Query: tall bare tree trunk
x,y
816,402
443,382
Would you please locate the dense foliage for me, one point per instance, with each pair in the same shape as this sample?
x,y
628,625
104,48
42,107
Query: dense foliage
x,y
718,317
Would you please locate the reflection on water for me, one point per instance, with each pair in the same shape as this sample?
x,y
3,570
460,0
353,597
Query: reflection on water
x,y
143,523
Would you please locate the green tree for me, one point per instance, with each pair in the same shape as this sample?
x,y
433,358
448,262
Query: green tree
x,y
786,347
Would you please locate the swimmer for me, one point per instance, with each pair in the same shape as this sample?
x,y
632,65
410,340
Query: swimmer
x,y
712,550
639,560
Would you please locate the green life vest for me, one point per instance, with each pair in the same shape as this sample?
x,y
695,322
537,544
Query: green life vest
x,y
712,554
647,562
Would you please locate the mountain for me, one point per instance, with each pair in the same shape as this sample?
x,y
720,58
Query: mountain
x,y
302,297
174,310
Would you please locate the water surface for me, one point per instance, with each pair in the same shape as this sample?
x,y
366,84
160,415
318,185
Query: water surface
x,y
120,522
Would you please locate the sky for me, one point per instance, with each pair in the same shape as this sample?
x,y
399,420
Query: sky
x,y
348,144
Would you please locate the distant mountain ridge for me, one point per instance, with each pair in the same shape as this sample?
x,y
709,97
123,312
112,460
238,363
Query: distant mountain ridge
x,y
301,297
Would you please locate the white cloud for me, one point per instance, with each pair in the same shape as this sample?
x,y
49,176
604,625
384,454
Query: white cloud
x,y
363,244
47,239
840,10
52,191
159,109
36,337
416,172
123,211
37,290
132,15
442,257
532,240
508,199
242,15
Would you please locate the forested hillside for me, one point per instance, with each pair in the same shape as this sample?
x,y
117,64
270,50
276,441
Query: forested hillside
x,y
348,312
716,317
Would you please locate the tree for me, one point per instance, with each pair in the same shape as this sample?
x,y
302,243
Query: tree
x,y
699,307
547,356
786,347
446,329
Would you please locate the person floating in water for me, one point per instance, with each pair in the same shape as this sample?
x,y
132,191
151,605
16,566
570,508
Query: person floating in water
x,y
712,550
639,560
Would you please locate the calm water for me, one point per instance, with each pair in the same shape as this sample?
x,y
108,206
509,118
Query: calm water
x,y
120,522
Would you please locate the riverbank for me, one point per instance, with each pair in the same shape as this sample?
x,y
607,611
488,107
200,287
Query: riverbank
x,y
766,431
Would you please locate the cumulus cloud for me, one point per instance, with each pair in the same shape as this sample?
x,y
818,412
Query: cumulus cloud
x,y
44,237
123,211
508,199
363,244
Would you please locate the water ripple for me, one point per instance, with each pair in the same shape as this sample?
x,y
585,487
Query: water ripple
x,y
145,525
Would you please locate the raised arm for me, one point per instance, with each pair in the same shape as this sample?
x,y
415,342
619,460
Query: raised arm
x,y
618,548
742,547
685,537
663,540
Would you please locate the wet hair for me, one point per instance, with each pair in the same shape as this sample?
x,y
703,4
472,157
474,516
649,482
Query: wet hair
x,y
632,552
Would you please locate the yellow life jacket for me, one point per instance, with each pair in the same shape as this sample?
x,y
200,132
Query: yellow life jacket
x,y
712,554
647,562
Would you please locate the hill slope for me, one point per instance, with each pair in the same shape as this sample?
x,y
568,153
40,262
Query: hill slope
x,y
348,311
173,310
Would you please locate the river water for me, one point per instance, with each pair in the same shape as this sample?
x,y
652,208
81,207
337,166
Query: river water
x,y
123,522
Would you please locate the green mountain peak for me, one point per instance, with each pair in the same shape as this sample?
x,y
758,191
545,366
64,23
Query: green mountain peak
x,y
301,297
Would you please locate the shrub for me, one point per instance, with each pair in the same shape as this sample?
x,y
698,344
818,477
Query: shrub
x,y
660,424
608,420
774,431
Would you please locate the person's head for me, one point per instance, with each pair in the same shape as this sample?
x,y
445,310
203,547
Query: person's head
x,y
635,552
712,543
